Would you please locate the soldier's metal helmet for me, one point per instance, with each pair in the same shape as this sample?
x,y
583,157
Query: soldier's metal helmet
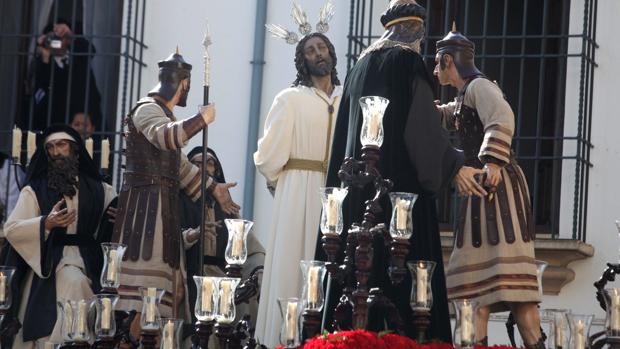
x,y
172,71
462,51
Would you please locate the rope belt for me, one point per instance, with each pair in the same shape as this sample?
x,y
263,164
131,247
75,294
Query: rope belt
x,y
306,165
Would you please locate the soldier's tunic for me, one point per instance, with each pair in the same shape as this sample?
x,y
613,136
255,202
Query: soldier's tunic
x,y
493,257
147,222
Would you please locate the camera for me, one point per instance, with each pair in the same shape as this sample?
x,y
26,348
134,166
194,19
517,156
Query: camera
x,y
55,44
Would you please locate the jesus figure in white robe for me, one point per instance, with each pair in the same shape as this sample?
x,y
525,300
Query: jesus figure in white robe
x,y
292,155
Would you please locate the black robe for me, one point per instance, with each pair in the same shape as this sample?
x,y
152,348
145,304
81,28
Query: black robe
x,y
416,155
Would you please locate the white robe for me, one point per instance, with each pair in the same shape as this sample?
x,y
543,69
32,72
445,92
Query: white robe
x,y
22,231
296,127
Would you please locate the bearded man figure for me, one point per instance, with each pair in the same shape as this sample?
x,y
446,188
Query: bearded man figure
x,y
54,234
292,156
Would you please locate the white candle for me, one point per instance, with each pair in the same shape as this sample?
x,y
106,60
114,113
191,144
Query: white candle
x,y
291,321
614,321
237,241
151,307
2,288
68,312
467,323
206,304
559,330
31,144
106,313
88,144
105,154
313,286
580,339
17,143
421,284
169,335
374,121
402,212
112,266
225,290
332,210
81,320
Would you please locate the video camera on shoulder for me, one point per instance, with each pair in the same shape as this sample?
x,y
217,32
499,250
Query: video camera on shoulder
x,y
55,44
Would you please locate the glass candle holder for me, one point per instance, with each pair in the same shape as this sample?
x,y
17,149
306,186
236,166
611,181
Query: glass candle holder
x,y
226,300
421,291
6,282
558,328
237,249
112,259
290,309
579,330
151,297
312,293
464,329
74,320
105,324
401,224
612,308
207,296
170,333
331,216
540,269
373,109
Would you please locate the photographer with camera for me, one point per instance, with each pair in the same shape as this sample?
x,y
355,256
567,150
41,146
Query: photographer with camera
x,y
61,75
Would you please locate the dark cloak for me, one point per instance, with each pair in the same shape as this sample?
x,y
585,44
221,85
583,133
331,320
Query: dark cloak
x,y
40,315
189,217
416,155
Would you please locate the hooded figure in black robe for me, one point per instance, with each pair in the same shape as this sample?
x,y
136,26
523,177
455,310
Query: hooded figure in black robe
x,y
416,155
46,188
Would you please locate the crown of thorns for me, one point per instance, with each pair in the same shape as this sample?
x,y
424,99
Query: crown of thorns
x,y
299,16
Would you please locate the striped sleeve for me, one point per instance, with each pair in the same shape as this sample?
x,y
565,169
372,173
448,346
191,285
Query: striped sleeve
x,y
446,111
497,118
162,132
189,175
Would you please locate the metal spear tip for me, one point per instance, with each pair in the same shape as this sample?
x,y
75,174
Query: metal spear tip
x,y
206,42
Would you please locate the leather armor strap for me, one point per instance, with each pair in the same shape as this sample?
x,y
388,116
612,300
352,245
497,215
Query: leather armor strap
x,y
460,228
139,221
516,192
149,232
476,230
491,215
504,209
531,230
120,216
128,226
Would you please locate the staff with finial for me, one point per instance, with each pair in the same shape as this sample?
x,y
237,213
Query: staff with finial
x,y
206,42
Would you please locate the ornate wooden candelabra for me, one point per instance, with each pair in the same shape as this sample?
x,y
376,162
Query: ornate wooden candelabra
x,y
353,274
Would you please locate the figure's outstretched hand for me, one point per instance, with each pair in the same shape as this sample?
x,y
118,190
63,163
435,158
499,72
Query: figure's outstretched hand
x,y
59,217
466,182
222,196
